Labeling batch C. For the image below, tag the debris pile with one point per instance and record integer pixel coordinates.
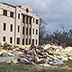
(45, 55)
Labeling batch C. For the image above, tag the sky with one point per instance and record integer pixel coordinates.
(56, 13)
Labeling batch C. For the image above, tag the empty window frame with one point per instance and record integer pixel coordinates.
(11, 14)
(5, 12)
(19, 16)
(18, 28)
(29, 41)
(4, 38)
(33, 30)
(23, 30)
(23, 19)
(11, 27)
(36, 31)
(18, 40)
(26, 41)
(32, 41)
(36, 21)
(30, 31)
(11, 40)
(23, 41)
(4, 26)
(33, 20)
(36, 41)
(26, 31)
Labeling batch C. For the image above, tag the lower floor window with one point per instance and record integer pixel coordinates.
(18, 40)
(4, 38)
(10, 39)
(32, 41)
(26, 41)
(29, 41)
(23, 41)
(36, 41)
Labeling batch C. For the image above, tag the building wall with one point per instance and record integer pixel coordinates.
(35, 27)
(22, 10)
(8, 20)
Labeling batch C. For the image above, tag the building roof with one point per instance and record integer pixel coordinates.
(15, 6)
(7, 4)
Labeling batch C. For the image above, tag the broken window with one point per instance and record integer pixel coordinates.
(30, 31)
(5, 12)
(18, 16)
(26, 31)
(18, 40)
(36, 31)
(11, 14)
(18, 28)
(36, 41)
(36, 21)
(29, 41)
(4, 26)
(4, 38)
(11, 27)
(23, 19)
(23, 41)
(10, 39)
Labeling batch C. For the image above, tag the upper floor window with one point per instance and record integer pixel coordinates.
(19, 16)
(33, 31)
(26, 31)
(30, 20)
(11, 14)
(5, 12)
(18, 28)
(4, 26)
(33, 20)
(36, 31)
(11, 27)
(23, 19)
(36, 21)
(27, 10)
(30, 31)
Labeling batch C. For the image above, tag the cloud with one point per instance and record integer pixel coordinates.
(54, 12)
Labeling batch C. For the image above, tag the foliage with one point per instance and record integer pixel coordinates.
(46, 36)
(4, 67)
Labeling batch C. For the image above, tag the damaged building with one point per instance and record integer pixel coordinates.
(19, 24)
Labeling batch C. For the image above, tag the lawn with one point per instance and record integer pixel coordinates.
(29, 68)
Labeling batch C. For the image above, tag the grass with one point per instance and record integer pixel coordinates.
(69, 63)
(27, 68)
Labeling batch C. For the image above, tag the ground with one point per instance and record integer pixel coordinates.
(4, 67)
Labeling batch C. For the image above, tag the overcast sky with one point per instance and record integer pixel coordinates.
(54, 12)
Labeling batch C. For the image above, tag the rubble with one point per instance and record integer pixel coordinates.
(45, 55)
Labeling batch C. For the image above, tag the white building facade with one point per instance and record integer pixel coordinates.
(19, 25)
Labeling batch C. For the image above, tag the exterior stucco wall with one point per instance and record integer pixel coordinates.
(18, 22)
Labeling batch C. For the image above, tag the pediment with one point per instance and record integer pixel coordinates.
(26, 6)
